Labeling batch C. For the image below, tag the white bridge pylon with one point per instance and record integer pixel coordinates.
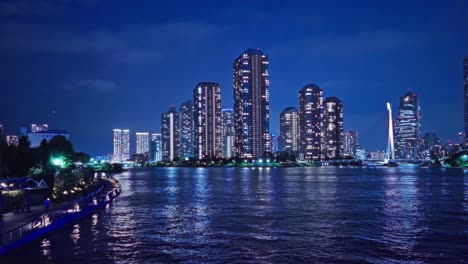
(390, 146)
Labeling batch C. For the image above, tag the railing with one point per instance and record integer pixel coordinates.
(77, 205)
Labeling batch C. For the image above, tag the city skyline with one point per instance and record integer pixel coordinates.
(107, 65)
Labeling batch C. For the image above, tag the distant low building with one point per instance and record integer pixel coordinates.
(24, 131)
(377, 155)
(12, 140)
(36, 137)
(39, 128)
(361, 154)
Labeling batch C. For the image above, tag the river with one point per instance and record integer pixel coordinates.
(268, 215)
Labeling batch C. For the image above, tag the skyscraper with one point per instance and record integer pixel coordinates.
(117, 157)
(332, 128)
(121, 145)
(408, 127)
(351, 143)
(310, 122)
(39, 128)
(170, 134)
(465, 75)
(228, 133)
(186, 130)
(207, 120)
(289, 130)
(142, 143)
(251, 104)
(125, 144)
(156, 147)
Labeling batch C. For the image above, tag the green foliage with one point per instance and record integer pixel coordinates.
(81, 157)
(60, 146)
(459, 159)
(12, 200)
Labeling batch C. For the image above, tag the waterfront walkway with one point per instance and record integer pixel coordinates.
(13, 220)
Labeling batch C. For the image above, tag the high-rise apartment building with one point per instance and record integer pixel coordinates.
(121, 145)
(170, 134)
(289, 130)
(251, 104)
(351, 143)
(310, 122)
(142, 143)
(156, 147)
(332, 147)
(408, 127)
(207, 120)
(186, 130)
(228, 133)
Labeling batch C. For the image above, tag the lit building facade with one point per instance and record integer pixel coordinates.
(142, 142)
(274, 144)
(12, 140)
(207, 120)
(408, 127)
(39, 128)
(156, 147)
(289, 130)
(24, 131)
(170, 135)
(228, 133)
(310, 122)
(37, 137)
(125, 144)
(430, 146)
(333, 128)
(351, 143)
(465, 76)
(251, 104)
(121, 145)
(186, 130)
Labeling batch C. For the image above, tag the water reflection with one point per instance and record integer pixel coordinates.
(202, 196)
(46, 248)
(291, 215)
(75, 235)
(402, 212)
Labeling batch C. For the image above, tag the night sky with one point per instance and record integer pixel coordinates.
(91, 66)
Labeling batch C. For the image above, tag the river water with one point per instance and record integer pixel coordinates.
(262, 215)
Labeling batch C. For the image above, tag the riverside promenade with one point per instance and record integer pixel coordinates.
(17, 229)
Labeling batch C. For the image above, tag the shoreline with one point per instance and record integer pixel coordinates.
(71, 212)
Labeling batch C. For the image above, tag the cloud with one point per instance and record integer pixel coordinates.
(357, 42)
(130, 43)
(99, 85)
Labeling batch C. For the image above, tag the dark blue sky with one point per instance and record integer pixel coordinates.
(100, 65)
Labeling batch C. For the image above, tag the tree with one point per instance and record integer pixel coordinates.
(81, 157)
(60, 146)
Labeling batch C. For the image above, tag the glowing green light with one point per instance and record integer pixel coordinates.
(57, 161)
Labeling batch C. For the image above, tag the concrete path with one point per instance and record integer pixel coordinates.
(13, 220)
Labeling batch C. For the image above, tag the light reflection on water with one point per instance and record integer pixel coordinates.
(383, 215)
